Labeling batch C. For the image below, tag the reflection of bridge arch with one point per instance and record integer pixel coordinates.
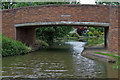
(20, 23)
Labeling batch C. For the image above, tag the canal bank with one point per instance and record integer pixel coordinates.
(91, 53)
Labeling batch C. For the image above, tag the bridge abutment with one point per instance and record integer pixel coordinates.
(26, 35)
(114, 30)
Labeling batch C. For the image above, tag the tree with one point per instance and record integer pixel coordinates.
(48, 34)
(107, 3)
(8, 5)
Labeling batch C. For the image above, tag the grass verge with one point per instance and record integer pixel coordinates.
(117, 64)
(107, 54)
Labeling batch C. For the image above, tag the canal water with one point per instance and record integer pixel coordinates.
(58, 61)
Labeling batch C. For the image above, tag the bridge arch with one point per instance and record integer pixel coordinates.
(19, 22)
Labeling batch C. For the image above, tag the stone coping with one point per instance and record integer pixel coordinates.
(64, 23)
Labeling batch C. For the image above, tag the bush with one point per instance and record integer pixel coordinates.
(95, 41)
(11, 47)
(75, 34)
(42, 43)
(90, 34)
(95, 31)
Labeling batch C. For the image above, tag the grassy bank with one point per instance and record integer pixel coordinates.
(11, 47)
(41, 43)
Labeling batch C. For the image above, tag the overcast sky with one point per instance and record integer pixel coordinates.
(87, 1)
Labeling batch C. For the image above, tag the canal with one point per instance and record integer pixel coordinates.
(58, 61)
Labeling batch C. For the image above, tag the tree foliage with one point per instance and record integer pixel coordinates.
(107, 3)
(48, 34)
(8, 5)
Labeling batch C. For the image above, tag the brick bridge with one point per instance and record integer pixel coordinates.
(20, 23)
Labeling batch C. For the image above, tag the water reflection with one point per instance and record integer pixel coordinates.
(85, 67)
(63, 61)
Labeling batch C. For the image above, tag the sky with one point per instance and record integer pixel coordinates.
(87, 1)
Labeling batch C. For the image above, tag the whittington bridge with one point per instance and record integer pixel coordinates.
(20, 23)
